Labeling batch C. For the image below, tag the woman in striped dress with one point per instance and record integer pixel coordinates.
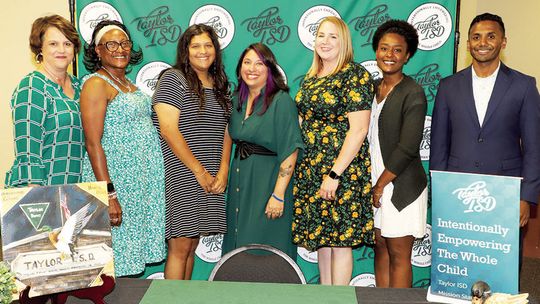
(191, 110)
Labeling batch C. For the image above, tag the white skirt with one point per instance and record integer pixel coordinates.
(410, 221)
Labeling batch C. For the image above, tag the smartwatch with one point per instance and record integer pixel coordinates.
(333, 175)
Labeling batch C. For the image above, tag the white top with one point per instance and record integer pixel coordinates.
(482, 89)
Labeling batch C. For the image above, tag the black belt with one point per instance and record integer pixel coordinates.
(245, 149)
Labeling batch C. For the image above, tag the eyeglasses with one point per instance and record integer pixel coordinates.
(112, 46)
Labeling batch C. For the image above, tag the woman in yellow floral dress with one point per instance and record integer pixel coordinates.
(332, 208)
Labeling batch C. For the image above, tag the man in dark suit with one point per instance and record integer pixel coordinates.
(486, 117)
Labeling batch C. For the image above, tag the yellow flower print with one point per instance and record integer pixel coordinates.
(311, 199)
(324, 206)
(337, 83)
(355, 96)
(335, 215)
(328, 98)
(325, 140)
(342, 237)
(365, 76)
(355, 214)
(353, 207)
(325, 213)
(367, 189)
(341, 118)
(340, 201)
(369, 225)
(311, 137)
(354, 177)
(296, 239)
(311, 236)
(347, 195)
(362, 81)
(314, 98)
(298, 211)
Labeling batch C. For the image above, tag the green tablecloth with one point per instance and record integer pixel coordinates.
(201, 292)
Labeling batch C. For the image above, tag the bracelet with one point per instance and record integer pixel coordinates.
(200, 173)
(277, 198)
(112, 195)
(110, 187)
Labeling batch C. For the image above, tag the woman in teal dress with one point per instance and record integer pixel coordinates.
(123, 149)
(332, 207)
(264, 126)
(49, 141)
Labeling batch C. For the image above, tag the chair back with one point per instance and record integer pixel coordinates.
(257, 263)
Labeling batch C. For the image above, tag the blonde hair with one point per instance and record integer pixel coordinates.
(345, 55)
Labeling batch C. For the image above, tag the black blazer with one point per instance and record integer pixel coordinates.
(401, 128)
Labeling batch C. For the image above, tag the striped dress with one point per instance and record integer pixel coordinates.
(189, 211)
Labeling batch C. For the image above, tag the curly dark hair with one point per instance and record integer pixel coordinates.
(400, 27)
(91, 59)
(487, 17)
(216, 70)
(274, 83)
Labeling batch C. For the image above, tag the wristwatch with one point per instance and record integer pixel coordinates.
(333, 175)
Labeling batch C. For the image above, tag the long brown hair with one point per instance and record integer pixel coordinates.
(216, 70)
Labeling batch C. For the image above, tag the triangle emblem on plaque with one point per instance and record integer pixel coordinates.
(35, 212)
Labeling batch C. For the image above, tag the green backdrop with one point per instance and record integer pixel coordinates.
(288, 28)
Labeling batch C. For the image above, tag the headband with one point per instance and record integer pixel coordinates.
(106, 29)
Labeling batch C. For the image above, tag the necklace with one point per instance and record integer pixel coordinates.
(56, 79)
(128, 87)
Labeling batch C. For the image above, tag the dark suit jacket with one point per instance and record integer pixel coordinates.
(401, 126)
(508, 143)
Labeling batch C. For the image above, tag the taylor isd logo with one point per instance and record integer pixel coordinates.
(268, 26)
(158, 26)
(147, 77)
(306, 255)
(309, 23)
(372, 68)
(476, 197)
(209, 249)
(428, 77)
(433, 24)
(94, 13)
(219, 19)
(421, 250)
(367, 24)
(363, 280)
(425, 144)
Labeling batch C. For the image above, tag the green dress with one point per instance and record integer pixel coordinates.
(49, 140)
(135, 164)
(323, 104)
(252, 180)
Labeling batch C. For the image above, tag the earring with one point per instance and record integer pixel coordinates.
(37, 57)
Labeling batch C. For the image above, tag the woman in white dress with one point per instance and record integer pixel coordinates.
(399, 181)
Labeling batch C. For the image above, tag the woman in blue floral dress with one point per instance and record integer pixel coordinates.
(123, 149)
(332, 208)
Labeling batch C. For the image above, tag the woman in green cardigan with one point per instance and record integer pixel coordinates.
(396, 128)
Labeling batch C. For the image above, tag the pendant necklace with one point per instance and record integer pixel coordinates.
(55, 79)
(128, 87)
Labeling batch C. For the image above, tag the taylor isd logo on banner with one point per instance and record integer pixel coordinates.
(309, 23)
(433, 23)
(218, 18)
(57, 238)
(94, 13)
(475, 222)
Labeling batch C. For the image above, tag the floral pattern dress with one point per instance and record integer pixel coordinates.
(323, 104)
